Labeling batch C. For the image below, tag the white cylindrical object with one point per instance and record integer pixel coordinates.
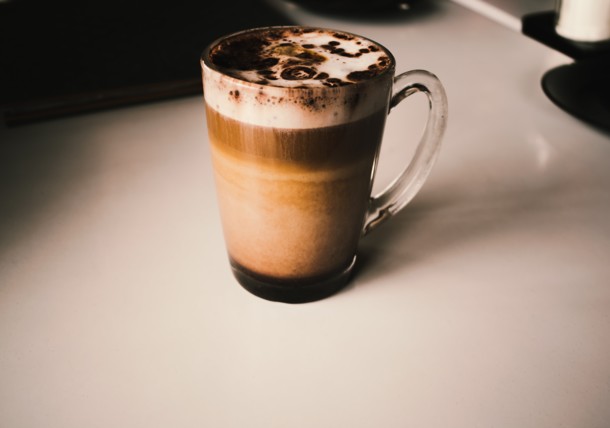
(584, 20)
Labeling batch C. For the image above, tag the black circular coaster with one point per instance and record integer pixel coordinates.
(582, 89)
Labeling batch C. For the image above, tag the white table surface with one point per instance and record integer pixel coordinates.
(485, 303)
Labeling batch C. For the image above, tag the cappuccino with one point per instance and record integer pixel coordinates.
(295, 120)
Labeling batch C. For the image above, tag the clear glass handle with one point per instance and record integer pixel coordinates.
(407, 184)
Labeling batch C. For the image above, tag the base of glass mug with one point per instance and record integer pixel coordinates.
(292, 290)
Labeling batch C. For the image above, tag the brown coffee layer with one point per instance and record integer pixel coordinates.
(293, 201)
(314, 149)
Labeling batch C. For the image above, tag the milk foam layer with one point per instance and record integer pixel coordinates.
(297, 57)
(297, 77)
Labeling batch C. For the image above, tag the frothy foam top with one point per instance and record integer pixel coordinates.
(300, 57)
(297, 77)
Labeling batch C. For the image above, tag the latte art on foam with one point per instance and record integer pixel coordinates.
(300, 57)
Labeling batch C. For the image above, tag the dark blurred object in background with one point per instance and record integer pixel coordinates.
(349, 6)
(582, 88)
(63, 57)
(365, 9)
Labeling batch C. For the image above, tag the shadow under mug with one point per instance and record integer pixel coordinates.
(294, 168)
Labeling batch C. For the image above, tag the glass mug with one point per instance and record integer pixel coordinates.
(295, 118)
